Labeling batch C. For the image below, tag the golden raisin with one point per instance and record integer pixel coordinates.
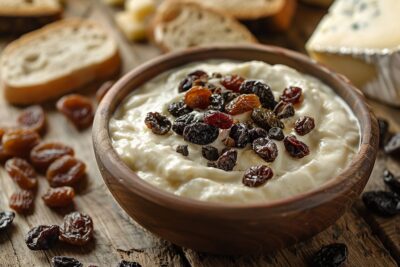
(44, 154)
(59, 197)
(33, 118)
(19, 142)
(242, 104)
(22, 201)
(65, 171)
(78, 109)
(103, 89)
(22, 173)
(198, 97)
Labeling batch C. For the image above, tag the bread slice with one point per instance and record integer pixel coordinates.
(56, 60)
(322, 3)
(179, 25)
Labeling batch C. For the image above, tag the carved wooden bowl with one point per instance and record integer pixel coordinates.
(228, 228)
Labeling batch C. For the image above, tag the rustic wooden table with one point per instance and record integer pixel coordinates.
(372, 241)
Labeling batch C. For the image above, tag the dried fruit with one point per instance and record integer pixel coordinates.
(6, 219)
(265, 148)
(295, 147)
(232, 82)
(77, 229)
(185, 85)
(3, 155)
(125, 263)
(229, 142)
(229, 96)
(391, 148)
(103, 89)
(33, 118)
(22, 201)
(183, 121)
(65, 171)
(63, 261)
(242, 104)
(262, 90)
(391, 181)
(178, 109)
(183, 149)
(227, 160)
(284, 110)
(22, 173)
(157, 123)
(333, 255)
(266, 119)
(42, 237)
(240, 134)
(44, 154)
(256, 133)
(200, 133)
(257, 176)
(382, 202)
(292, 94)
(59, 197)
(276, 134)
(198, 74)
(19, 142)
(198, 97)
(210, 153)
(304, 125)
(218, 119)
(78, 109)
(217, 102)
(383, 131)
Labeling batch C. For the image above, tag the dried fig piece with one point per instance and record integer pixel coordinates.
(33, 118)
(78, 109)
(22, 173)
(77, 229)
(65, 171)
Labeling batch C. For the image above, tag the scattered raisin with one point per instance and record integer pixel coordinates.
(22, 173)
(178, 109)
(183, 121)
(183, 149)
(292, 94)
(200, 133)
(157, 123)
(295, 147)
(33, 118)
(42, 237)
(78, 109)
(391, 181)
(382, 202)
(103, 89)
(44, 154)
(77, 229)
(217, 102)
(266, 119)
(218, 119)
(19, 142)
(185, 85)
(210, 153)
(256, 133)
(232, 82)
(6, 219)
(22, 201)
(227, 160)
(198, 97)
(63, 261)
(242, 104)
(240, 134)
(284, 110)
(276, 134)
(59, 197)
(304, 125)
(65, 171)
(125, 263)
(262, 90)
(265, 148)
(391, 148)
(257, 176)
(383, 131)
(333, 255)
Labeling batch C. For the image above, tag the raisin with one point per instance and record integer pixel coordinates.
(19, 142)
(217, 102)
(391, 148)
(6, 219)
(44, 154)
(266, 149)
(240, 134)
(333, 255)
(210, 153)
(77, 229)
(157, 123)
(216, 75)
(229, 96)
(183, 121)
(178, 109)
(304, 125)
(183, 149)
(22, 173)
(382, 202)
(232, 82)
(63, 261)
(59, 197)
(200, 133)
(198, 74)
(3, 155)
(266, 119)
(242, 104)
(383, 131)
(33, 118)
(262, 90)
(198, 97)
(42, 237)
(212, 164)
(295, 147)
(65, 171)
(227, 160)
(103, 89)
(229, 142)
(185, 85)
(218, 119)
(257, 176)
(284, 110)
(22, 201)
(125, 263)
(276, 134)
(256, 133)
(78, 109)
(292, 94)
(391, 181)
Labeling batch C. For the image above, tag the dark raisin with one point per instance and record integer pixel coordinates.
(157, 123)
(333, 255)
(232, 82)
(183, 121)
(266, 119)
(185, 85)
(217, 102)
(265, 148)
(183, 149)
(63, 261)
(200, 133)
(276, 134)
(212, 164)
(291, 94)
(77, 229)
(42, 237)
(256, 133)
(229, 96)
(295, 147)
(391, 181)
(284, 110)
(257, 176)
(262, 90)
(227, 160)
(210, 153)
(6, 219)
(382, 202)
(218, 119)
(240, 134)
(304, 125)
(178, 109)
(125, 263)
(393, 146)
(198, 74)
(383, 131)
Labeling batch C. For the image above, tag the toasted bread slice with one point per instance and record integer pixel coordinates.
(56, 60)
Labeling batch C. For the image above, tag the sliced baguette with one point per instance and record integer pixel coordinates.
(56, 60)
(178, 25)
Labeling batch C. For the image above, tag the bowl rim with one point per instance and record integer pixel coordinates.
(131, 180)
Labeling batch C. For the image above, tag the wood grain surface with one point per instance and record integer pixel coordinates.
(372, 241)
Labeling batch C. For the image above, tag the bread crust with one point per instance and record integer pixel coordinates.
(31, 10)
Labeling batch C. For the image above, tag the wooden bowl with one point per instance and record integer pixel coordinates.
(228, 228)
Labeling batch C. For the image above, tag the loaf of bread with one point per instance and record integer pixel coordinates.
(322, 3)
(56, 60)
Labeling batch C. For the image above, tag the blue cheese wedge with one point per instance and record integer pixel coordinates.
(361, 39)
